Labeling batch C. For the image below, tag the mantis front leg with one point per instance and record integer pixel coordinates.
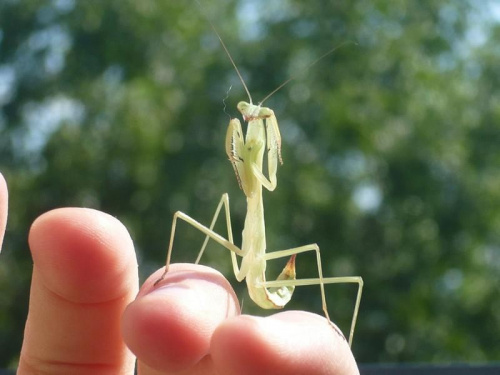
(263, 131)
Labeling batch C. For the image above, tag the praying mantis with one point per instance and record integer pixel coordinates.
(246, 153)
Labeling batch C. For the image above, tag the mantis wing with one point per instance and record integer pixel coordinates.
(234, 148)
(273, 147)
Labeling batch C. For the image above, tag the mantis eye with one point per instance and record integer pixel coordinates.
(242, 107)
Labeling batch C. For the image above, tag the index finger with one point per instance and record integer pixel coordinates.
(84, 274)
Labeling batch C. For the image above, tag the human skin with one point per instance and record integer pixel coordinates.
(87, 314)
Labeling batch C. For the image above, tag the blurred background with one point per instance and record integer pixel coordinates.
(390, 148)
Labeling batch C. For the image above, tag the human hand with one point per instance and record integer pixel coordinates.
(192, 321)
(85, 275)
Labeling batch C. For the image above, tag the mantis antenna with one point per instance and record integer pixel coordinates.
(227, 52)
(307, 67)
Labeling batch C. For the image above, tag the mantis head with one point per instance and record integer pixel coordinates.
(251, 111)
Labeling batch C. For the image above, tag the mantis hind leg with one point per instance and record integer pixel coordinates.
(209, 232)
(321, 281)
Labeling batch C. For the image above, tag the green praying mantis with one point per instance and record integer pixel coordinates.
(246, 153)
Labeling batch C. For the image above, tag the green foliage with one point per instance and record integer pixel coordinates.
(390, 148)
